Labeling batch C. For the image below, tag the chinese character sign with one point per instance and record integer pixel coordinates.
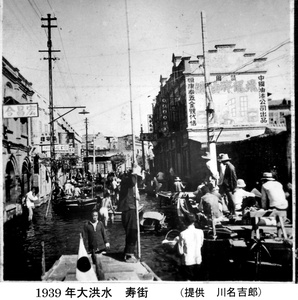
(237, 102)
(27, 110)
(263, 100)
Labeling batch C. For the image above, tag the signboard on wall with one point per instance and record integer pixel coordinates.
(240, 102)
(26, 110)
(59, 149)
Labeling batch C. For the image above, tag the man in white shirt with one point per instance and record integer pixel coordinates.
(273, 195)
(189, 246)
(31, 197)
(240, 194)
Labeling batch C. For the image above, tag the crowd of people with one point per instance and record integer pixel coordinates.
(220, 193)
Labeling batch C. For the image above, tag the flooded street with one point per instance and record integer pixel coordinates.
(60, 234)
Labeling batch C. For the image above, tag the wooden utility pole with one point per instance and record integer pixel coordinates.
(143, 150)
(211, 143)
(49, 26)
(206, 75)
(133, 135)
(87, 154)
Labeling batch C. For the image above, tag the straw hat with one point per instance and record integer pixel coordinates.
(220, 155)
(207, 156)
(241, 183)
(225, 157)
(267, 176)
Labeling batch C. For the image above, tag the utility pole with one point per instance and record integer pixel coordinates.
(84, 112)
(143, 150)
(87, 154)
(49, 26)
(211, 144)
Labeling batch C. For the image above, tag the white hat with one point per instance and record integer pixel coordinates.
(177, 179)
(267, 176)
(225, 157)
(241, 183)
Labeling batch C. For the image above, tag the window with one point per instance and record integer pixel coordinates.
(243, 106)
(233, 77)
(218, 77)
(8, 84)
(24, 126)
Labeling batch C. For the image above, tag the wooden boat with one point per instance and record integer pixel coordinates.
(87, 201)
(109, 266)
(152, 221)
(75, 204)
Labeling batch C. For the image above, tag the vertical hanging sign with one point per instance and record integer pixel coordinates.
(262, 100)
(164, 116)
(150, 123)
(190, 90)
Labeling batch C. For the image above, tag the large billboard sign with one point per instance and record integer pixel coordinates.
(26, 110)
(241, 102)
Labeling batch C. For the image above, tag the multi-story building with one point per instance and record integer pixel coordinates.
(16, 149)
(67, 145)
(26, 142)
(235, 98)
(107, 154)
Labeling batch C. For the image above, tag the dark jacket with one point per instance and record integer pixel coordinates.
(230, 178)
(94, 239)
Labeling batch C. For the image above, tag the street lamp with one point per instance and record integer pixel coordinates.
(84, 112)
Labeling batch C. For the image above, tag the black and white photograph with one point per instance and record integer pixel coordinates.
(148, 142)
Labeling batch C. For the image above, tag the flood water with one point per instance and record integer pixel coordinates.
(60, 235)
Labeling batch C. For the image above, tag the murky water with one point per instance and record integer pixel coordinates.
(60, 234)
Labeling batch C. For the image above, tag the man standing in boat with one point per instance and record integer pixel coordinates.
(229, 183)
(127, 205)
(189, 246)
(94, 235)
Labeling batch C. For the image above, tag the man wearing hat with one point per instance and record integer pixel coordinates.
(229, 183)
(127, 205)
(221, 168)
(240, 194)
(273, 195)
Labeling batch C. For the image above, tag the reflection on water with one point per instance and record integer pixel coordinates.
(60, 234)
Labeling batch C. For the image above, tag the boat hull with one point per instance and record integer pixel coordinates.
(77, 204)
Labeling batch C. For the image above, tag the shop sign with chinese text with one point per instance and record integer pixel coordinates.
(26, 110)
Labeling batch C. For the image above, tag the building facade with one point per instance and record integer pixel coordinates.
(25, 142)
(235, 99)
(16, 148)
(67, 147)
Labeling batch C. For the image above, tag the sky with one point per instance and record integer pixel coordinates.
(93, 70)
